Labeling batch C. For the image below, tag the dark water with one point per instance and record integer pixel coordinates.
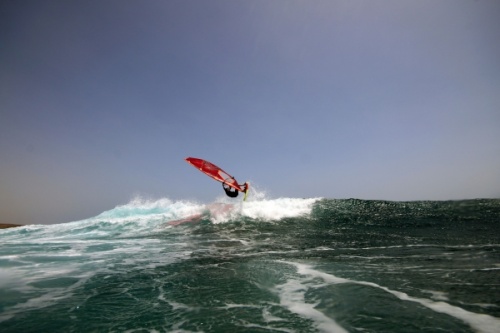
(283, 265)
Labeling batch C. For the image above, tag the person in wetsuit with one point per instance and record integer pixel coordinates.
(230, 191)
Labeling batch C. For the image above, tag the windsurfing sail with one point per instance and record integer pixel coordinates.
(218, 174)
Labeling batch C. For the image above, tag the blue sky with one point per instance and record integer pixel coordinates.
(101, 101)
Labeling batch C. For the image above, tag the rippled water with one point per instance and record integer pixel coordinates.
(284, 265)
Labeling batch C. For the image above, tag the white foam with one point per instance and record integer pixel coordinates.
(223, 210)
(9, 277)
(291, 296)
(143, 216)
(488, 269)
(233, 305)
(276, 209)
(48, 298)
(150, 330)
(268, 317)
(177, 306)
(437, 295)
(142, 212)
(267, 328)
(479, 322)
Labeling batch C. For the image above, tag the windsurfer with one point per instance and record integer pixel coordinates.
(231, 191)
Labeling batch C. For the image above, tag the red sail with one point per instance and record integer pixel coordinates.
(214, 171)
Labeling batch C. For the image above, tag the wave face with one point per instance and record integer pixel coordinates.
(284, 265)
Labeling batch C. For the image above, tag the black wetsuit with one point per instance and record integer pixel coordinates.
(233, 193)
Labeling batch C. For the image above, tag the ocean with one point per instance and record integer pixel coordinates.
(265, 265)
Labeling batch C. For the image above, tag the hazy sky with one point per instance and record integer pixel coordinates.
(101, 101)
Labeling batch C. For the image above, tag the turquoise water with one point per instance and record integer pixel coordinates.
(267, 265)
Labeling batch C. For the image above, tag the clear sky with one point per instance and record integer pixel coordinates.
(101, 101)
